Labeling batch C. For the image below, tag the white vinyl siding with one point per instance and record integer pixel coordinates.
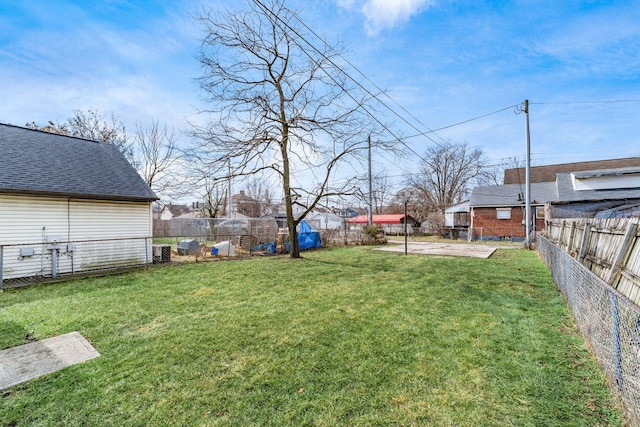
(26, 219)
(92, 220)
(93, 227)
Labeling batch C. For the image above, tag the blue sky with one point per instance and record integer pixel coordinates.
(445, 61)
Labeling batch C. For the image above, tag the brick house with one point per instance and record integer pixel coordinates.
(498, 211)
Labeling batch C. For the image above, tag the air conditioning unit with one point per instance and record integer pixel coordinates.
(161, 253)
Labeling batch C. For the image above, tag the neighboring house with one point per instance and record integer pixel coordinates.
(583, 194)
(345, 212)
(170, 211)
(498, 211)
(245, 206)
(548, 173)
(69, 205)
(280, 218)
(624, 211)
(457, 216)
(325, 221)
(392, 224)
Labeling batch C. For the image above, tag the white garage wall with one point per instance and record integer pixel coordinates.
(93, 227)
(91, 220)
(22, 218)
(26, 219)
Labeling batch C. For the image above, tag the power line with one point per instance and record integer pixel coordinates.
(614, 101)
(370, 81)
(466, 121)
(293, 30)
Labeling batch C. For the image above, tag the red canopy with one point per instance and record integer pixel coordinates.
(381, 219)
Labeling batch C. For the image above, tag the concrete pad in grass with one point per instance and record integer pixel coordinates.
(449, 249)
(33, 360)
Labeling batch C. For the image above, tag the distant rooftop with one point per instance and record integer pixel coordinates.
(548, 173)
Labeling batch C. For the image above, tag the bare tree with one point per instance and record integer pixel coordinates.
(214, 196)
(416, 207)
(495, 174)
(50, 127)
(158, 160)
(380, 195)
(91, 125)
(278, 105)
(260, 190)
(445, 176)
(98, 127)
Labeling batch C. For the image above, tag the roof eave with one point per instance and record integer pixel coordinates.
(112, 197)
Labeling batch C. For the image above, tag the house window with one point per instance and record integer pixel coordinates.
(503, 213)
(539, 212)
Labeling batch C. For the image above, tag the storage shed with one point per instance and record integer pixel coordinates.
(69, 205)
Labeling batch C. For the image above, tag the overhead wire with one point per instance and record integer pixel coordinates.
(613, 101)
(420, 132)
(329, 60)
(375, 96)
(378, 88)
(465, 121)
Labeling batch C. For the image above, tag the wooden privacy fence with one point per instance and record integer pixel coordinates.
(610, 248)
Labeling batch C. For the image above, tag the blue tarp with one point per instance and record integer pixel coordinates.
(308, 239)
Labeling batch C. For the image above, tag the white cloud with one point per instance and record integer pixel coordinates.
(386, 14)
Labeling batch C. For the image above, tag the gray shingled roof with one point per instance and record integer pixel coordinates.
(606, 172)
(560, 191)
(512, 194)
(566, 193)
(41, 163)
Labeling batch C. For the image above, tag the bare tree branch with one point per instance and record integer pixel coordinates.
(274, 105)
(444, 178)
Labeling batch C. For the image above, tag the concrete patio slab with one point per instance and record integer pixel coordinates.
(448, 249)
(33, 360)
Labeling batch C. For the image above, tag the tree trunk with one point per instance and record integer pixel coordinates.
(288, 202)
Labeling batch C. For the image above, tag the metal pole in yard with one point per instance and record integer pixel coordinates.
(405, 227)
(229, 214)
(370, 186)
(527, 208)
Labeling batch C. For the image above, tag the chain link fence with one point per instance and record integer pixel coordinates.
(244, 233)
(608, 320)
(27, 263)
(497, 233)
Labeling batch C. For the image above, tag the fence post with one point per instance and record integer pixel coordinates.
(614, 274)
(572, 232)
(561, 234)
(1, 284)
(585, 241)
(615, 330)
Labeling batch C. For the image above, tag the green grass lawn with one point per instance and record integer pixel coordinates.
(345, 336)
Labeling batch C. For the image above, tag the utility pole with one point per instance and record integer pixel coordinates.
(370, 186)
(527, 205)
